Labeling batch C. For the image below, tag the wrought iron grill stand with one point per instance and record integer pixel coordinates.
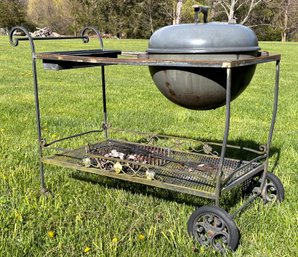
(202, 173)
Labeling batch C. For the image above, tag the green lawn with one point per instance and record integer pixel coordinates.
(88, 215)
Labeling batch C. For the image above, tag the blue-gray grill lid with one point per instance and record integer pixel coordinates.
(213, 37)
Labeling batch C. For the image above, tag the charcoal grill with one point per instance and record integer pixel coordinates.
(202, 88)
(180, 164)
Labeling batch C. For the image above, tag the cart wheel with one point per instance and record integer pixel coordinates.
(213, 226)
(273, 189)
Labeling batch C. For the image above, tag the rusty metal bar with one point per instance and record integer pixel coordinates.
(274, 112)
(225, 138)
(104, 102)
(245, 205)
(45, 144)
(85, 38)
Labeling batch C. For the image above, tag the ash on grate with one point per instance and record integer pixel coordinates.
(137, 154)
(115, 154)
(120, 160)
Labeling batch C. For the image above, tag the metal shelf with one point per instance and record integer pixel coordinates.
(181, 171)
(142, 59)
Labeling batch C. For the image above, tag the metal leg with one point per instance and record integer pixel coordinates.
(104, 102)
(274, 112)
(14, 42)
(38, 126)
(225, 139)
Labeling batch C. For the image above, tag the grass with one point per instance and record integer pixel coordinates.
(89, 215)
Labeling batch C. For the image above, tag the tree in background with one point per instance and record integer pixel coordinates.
(184, 11)
(285, 18)
(12, 12)
(261, 22)
(56, 14)
(131, 18)
(235, 10)
(153, 15)
(178, 12)
(271, 19)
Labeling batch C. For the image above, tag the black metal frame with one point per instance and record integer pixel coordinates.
(14, 42)
(228, 65)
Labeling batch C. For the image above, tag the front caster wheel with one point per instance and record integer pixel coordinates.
(213, 226)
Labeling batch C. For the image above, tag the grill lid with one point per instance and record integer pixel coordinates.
(213, 37)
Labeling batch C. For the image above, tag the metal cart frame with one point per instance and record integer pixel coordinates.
(204, 219)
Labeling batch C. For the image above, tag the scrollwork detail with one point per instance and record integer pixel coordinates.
(15, 41)
(269, 194)
(94, 29)
(127, 168)
(263, 148)
(212, 230)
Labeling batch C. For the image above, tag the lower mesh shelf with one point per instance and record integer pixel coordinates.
(180, 171)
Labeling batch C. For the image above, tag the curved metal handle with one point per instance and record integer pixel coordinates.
(202, 9)
(15, 41)
(86, 39)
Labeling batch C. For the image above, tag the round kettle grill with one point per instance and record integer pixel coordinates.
(201, 88)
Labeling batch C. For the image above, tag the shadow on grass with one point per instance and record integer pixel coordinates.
(227, 201)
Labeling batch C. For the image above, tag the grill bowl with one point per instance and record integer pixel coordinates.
(202, 88)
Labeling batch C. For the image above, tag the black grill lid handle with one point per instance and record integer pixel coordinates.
(202, 9)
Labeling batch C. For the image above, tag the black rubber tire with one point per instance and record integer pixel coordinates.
(213, 226)
(274, 189)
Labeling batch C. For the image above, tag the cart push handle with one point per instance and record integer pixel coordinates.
(14, 41)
